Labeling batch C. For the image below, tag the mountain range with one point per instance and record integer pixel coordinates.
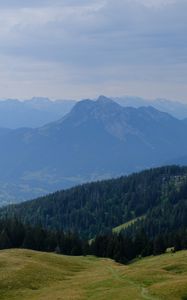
(37, 112)
(175, 108)
(32, 113)
(95, 140)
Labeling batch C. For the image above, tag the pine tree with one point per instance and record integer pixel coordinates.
(5, 242)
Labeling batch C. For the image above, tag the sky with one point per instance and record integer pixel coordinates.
(74, 49)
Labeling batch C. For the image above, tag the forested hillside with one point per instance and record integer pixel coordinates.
(160, 195)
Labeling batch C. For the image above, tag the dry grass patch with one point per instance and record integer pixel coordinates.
(29, 275)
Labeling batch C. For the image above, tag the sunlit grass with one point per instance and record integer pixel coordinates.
(32, 275)
(127, 224)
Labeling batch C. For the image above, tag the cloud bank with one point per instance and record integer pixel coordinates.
(77, 48)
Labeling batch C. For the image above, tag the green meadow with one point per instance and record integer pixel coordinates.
(127, 224)
(33, 275)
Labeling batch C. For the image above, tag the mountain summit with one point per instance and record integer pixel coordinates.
(95, 140)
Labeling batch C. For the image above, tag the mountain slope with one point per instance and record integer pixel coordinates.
(98, 207)
(97, 139)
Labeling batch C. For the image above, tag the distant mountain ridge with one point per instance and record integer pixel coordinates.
(39, 111)
(175, 108)
(32, 113)
(95, 140)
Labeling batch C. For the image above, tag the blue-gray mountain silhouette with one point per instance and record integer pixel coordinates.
(97, 139)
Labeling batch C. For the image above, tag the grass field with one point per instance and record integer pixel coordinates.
(32, 275)
(127, 224)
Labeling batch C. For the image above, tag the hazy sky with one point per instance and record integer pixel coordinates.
(79, 48)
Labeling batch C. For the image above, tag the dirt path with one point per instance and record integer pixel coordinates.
(145, 294)
(143, 291)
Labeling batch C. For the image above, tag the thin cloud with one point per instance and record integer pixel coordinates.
(77, 39)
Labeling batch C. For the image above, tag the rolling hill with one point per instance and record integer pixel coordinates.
(32, 275)
(97, 139)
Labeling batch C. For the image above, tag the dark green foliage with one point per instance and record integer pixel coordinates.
(92, 210)
(95, 208)
(15, 234)
(159, 245)
(123, 248)
(119, 247)
(5, 242)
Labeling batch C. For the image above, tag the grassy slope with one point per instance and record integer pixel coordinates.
(30, 275)
(127, 224)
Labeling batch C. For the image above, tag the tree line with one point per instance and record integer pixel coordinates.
(123, 248)
(120, 247)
